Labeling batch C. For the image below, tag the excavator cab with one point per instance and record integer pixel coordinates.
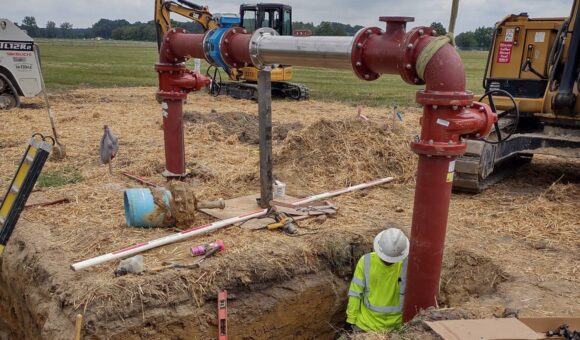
(276, 16)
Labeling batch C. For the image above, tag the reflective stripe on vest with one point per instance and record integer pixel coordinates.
(355, 294)
(366, 294)
(358, 281)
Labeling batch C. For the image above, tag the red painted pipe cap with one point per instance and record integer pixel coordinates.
(396, 19)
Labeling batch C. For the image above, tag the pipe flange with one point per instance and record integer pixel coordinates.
(166, 46)
(166, 68)
(255, 45)
(425, 97)
(439, 149)
(409, 54)
(356, 55)
(225, 47)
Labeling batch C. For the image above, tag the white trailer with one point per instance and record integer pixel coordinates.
(20, 72)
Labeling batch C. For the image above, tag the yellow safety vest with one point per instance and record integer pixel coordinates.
(376, 294)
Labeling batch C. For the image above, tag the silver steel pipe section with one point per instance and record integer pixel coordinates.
(267, 48)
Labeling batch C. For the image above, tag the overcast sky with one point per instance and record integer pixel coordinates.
(472, 13)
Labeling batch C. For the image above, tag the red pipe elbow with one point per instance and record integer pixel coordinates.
(445, 71)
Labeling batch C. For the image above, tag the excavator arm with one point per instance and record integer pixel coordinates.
(189, 10)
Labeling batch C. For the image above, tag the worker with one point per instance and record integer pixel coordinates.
(377, 289)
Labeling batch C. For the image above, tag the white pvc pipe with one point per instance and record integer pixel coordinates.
(141, 247)
(342, 191)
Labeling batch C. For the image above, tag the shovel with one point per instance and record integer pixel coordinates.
(58, 150)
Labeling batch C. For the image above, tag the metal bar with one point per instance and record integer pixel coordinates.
(328, 52)
(265, 127)
(140, 180)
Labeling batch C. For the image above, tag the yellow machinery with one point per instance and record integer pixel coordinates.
(532, 80)
(251, 17)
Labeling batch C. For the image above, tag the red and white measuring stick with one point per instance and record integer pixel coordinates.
(141, 247)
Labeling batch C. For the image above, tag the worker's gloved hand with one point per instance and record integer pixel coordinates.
(347, 327)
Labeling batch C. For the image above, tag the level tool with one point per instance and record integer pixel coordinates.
(223, 315)
(36, 154)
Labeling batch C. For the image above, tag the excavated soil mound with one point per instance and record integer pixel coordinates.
(467, 275)
(242, 125)
(334, 153)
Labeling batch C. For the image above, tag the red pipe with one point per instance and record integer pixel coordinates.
(445, 71)
(430, 210)
(178, 46)
(173, 136)
(175, 81)
(449, 114)
(382, 51)
(235, 48)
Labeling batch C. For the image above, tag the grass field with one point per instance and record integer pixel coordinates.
(77, 63)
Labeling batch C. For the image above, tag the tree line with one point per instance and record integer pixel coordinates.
(480, 39)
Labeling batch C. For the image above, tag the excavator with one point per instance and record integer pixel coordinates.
(532, 81)
(243, 81)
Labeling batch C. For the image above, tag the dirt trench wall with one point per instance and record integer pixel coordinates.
(307, 307)
(34, 303)
(28, 308)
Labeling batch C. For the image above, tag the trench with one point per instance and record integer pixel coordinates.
(309, 306)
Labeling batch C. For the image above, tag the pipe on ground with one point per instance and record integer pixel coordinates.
(449, 113)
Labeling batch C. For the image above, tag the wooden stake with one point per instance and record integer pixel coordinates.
(78, 326)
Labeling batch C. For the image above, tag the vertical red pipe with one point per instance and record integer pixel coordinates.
(175, 81)
(430, 210)
(173, 135)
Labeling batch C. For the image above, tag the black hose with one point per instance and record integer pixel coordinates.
(556, 54)
(191, 5)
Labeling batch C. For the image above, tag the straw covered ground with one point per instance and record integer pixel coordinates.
(513, 246)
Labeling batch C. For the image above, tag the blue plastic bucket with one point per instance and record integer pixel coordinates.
(141, 210)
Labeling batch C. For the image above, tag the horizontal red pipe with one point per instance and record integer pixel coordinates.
(240, 48)
(181, 45)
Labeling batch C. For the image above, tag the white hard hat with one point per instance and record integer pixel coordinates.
(391, 245)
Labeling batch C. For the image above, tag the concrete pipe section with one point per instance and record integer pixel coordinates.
(417, 55)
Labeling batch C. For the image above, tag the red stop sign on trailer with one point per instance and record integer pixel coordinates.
(504, 54)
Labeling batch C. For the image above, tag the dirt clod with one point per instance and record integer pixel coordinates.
(240, 124)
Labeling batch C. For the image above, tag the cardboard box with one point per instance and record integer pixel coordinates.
(502, 329)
